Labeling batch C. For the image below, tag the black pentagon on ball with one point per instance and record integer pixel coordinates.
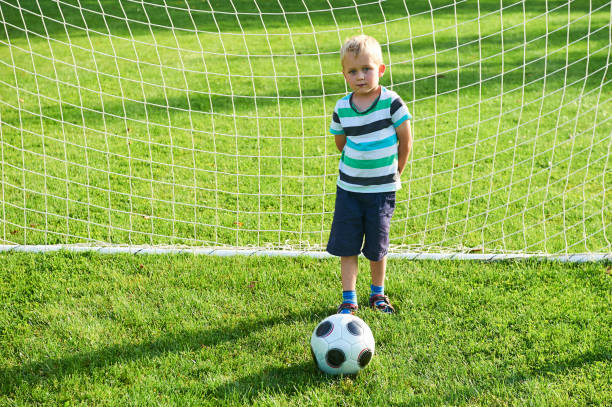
(364, 357)
(354, 328)
(324, 329)
(335, 358)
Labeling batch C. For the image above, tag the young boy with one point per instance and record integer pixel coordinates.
(371, 126)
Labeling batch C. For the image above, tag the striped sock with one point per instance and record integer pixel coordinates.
(350, 297)
(376, 289)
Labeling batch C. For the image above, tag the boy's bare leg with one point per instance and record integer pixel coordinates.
(378, 270)
(348, 270)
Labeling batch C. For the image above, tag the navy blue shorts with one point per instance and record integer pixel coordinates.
(358, 215)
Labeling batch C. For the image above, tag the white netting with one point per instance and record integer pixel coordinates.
(205, 124)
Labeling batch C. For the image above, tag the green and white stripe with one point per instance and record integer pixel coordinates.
(369, 158)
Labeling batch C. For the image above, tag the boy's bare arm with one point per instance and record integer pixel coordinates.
(404, 138)
(340, 141)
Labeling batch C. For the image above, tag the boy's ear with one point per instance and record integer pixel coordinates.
(381, 70)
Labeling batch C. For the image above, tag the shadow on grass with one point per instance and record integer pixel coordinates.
(296, 379)
(547, 372)
(135, 18)
(288, 381)
(55, 369)
(599, 354)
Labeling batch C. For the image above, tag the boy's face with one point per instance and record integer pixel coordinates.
(362, 73)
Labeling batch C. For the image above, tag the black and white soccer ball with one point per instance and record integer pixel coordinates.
(342, 344)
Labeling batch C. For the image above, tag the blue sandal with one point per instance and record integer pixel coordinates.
(381, 303)
(347, 306)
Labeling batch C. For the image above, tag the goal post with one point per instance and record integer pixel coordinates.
(173, 125)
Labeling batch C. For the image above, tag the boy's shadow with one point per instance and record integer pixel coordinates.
(55, 369)
(289, 381)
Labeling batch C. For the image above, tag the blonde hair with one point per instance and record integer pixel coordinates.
(361, 43)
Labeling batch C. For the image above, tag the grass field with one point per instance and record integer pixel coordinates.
(87, 329)
(129, 123)
(118, 129)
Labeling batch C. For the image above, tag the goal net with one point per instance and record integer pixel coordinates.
(205, 124)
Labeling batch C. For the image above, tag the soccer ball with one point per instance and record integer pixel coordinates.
(342, 344)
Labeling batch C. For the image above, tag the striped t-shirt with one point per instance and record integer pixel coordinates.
(369, 158)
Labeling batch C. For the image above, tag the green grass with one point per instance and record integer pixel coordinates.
(88, 329)
(131, 133)
(122, 131)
